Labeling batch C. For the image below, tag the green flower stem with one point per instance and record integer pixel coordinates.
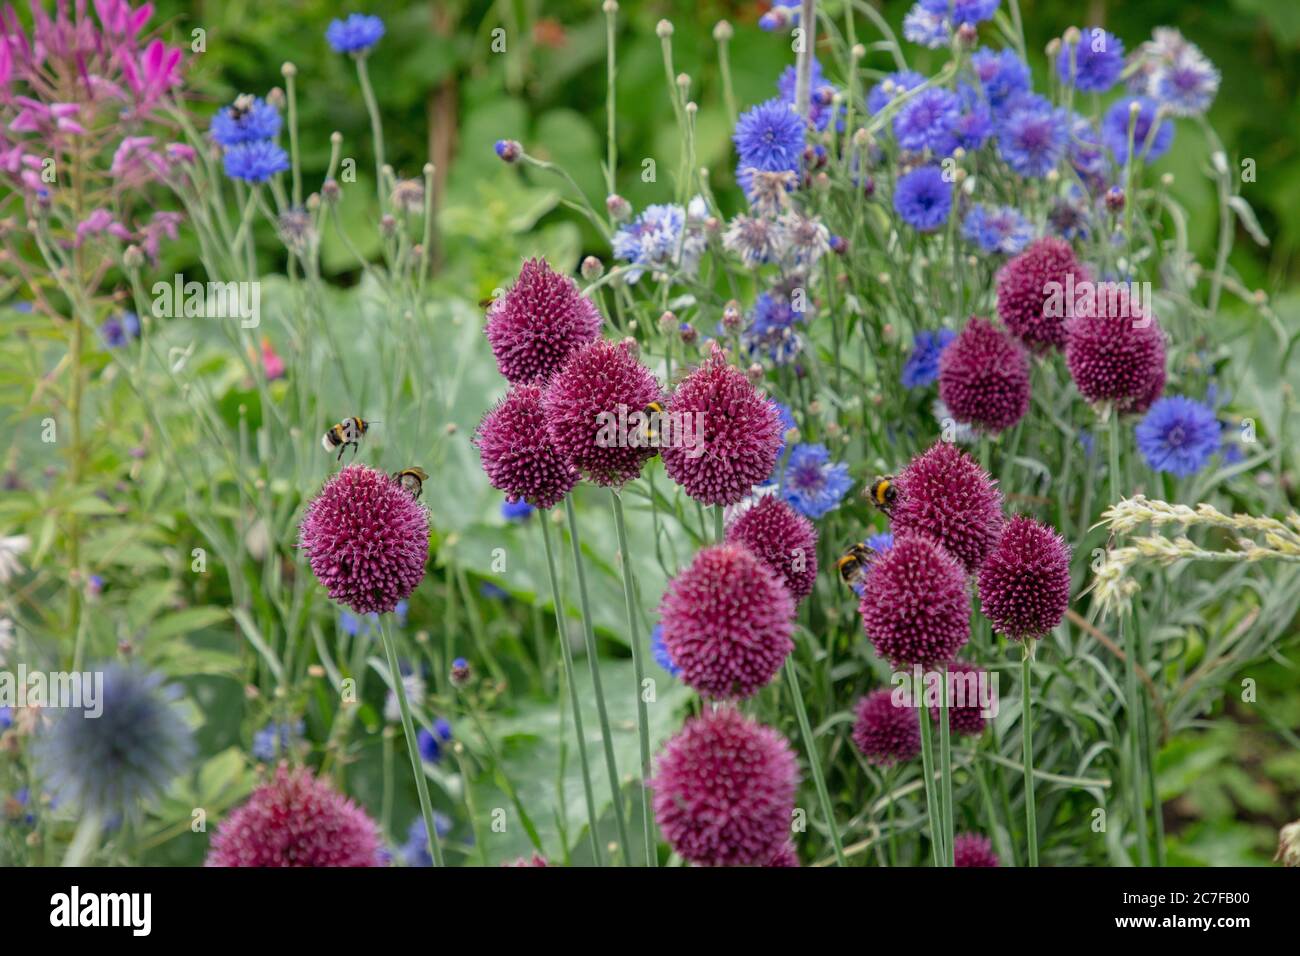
(719, 523)
(412, 748)
(589, 633)
(376, 127)
(937, 853)
(814, 761)
(1027, 732)
(638, 670)
(291, 94)
(611, 75)
(945, 769)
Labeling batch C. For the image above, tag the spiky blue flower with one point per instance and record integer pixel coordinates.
(923, 198)
(415, 851)
(1178, 435)
(812, 484)
(926, 28)
(255, 162)
(1032, 135)
(1149, 144)
(974, 125)
(1087, 153)
(276, 739)
(926, 120)
(880, 543)
(6, 718)
(653, 240)
(772, 330)
(659, 651)
(962, 11)
(355, 34)
(431, 742)
(118, 330)
(893, 85)
(1002, 75)
(1188, 85)
(245, 122)
(117, 762)
(999, 229)
(516, 511)
(922, 366)
(821, 93)
(1094, 64)
(769, 137)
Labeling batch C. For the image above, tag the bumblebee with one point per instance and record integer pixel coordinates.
(852, 564)
(651, 414)
(242, 106)
(882, 493)
(347, 432)
(412, 480)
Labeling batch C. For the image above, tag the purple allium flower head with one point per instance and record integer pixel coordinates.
(922, 365)
(812, 483)
(541, 320)
(1002, 75)
(517, 453)
(1115, 349)
(727, 620)
(785, 857)
(945, 494)
(295, 820)
(915, 603)
(255, 162)
(971, 849)
(250, 119)
(926, 120)
(770, 137)
(997, 229)
(965, 711)
(1178, 435)
(1032, 135)
(355, 34)
(1024, 585)
(1092, 65)
(724, 789)
(367, 539)
(923, 199)
(984, 378)
(739, 428)
(891, 86)
(886, 733)
(782, 539)
(1150, 141)
(583, 402)
(1025, 287)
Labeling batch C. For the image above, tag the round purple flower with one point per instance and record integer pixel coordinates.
(1001, 74)
(1094, 64)
(885, 732)
(1040, 275)
(588, 402)
(965, 709)
(1178, 435)
(539, 322)
(727, 435)
(1115, 349)
(812, 483)
(770, 137)
(727, 620)
(883, 93)
(367, 539)
(1032, 135)
(724, 790)
(1149, 140)
(517, 453)
(785, 857)
(984, 378)
(783, 540)
(915, 603)
(922, 366)
(250, 119)
(296, 820)
(923, 198)
(971, 849)
(926, 120)
(1024, 585)
(945, 494)
(356, 34)
(255, 162)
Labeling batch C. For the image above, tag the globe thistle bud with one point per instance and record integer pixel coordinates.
(509, 150)
(1115, 199)
(687, 333)
(967, 36)
(839, 245)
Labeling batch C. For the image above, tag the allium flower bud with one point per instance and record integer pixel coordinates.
(945, 494)
(915, 603)
(727, 621)
(724, 790)
(971, 849)
(965, 711)
(782, 539)
(367, 539)
(1025, 583)
(1032, 289)
(1115, 349)
(984, 377)
(886, 733)
(517, 453)
(539, 323)
(509, 150)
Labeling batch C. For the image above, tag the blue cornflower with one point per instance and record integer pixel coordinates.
(1001, 73)
(771, 330)
(779, 17)
(962, 11)
(922, 366)
(997, 229)
(1178, 435)
(1032, 136)
(925, 28)
(923, 199)
(415, 851)
(812, 484)
(400, 610)
(430, 742)
(1087, 154)
(518, 511)
(1149, 145)
(769, 137)
(1087, 442)
(925, 122)
(821, 92)
(891, 86)
(277, 738)
(255, 162)
(880, 543)
(118, 330)
(6, 718)
(1094, 63)
(1188, 85)
(974, 125)
(493, 592)
(352, 625)
(659, 651)
(357, 34)
(651, 241)
(250, 118)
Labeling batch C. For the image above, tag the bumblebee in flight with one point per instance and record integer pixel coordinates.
(852, 564)
(412, 480)
(347, 432)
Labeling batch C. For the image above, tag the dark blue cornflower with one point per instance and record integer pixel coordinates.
(516, 511)
(997, 229)
(415, 851)
(1087, 442)
(771, 330)
(821, 93)
(1087, 154)
(812, 484)
(1178, 435)
(883, 93)
(1032, 135)
(356, 34)
(276, 739)
(926, 120)
(1094, 64)
(880, 543)
(770, 138)
(1149, 145)
(493, 592)
(1188, 85)
(6, 718)
(780, 17)
(923, 198)
(974, 125)
(926, 28)
(922, 366)
(659, 651)
(255, 162)
(1001, 74)
(118, 330)
(431, 742)
(962, 11)
(248, 120)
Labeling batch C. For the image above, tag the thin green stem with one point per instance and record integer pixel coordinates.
(1027, 732)
(945, 769)
(937, 853)
(814, 760)
(376, 127)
